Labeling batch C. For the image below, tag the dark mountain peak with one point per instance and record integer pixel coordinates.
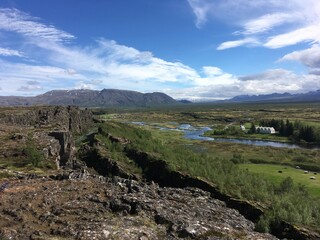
(91, 98)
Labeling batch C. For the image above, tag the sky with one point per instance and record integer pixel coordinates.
(189, 49)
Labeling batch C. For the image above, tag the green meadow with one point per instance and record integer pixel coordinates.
(277, 173)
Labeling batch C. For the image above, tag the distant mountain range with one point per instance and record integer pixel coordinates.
(124, 98)
(91, 98)
(278, 97)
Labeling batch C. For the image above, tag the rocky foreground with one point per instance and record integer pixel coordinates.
(83, 206)
(65, 199)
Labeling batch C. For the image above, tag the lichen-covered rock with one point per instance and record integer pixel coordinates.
(92, 207)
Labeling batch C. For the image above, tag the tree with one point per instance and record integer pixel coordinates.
(282, 130)
(253, 128)
(289, 127)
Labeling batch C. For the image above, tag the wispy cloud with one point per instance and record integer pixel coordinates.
(309, 34)
(309, 57)
(273, 23)
(16, 21)
(10, 52)
(267, 22)
(238, 43)
(200, 9)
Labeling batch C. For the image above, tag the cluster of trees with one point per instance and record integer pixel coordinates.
(295, 130)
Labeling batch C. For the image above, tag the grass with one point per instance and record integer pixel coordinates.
(271, 173)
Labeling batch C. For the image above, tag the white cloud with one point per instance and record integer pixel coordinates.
(238, 43)
(10, 52)
(307, 34)
(27, 78)
(268, 23)
(200, 9)
(309, 57)
(280, 80)
(16, 21)
(212, 71)
(213, 76)
(271, 81)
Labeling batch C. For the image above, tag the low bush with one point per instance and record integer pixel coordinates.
(35, 157)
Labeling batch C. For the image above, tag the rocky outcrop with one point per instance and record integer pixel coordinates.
(50, 129)
(102, 208)
(72, 119)
(97, 157)
(159, 171)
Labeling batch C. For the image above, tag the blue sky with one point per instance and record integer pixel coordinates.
(193, 49)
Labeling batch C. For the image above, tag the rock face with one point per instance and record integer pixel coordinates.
(51, 129)
(71, 119)
(92, 207)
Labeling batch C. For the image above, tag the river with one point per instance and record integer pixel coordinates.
(196, 133)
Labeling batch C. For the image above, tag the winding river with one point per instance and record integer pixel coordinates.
(196, 133)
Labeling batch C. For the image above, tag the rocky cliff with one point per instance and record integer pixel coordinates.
(70, 119)
(49, 129)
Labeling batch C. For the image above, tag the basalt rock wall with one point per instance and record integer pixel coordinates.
(60, 118)
(50, 128)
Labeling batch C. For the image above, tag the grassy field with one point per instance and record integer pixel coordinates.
(277, 173)
(220, 113)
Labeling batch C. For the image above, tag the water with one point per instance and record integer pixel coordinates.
(196, 133)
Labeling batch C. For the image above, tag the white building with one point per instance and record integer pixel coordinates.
(265, 130)
(242, 128)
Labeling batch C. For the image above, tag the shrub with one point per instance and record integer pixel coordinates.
(35, 157)
(237, 158)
